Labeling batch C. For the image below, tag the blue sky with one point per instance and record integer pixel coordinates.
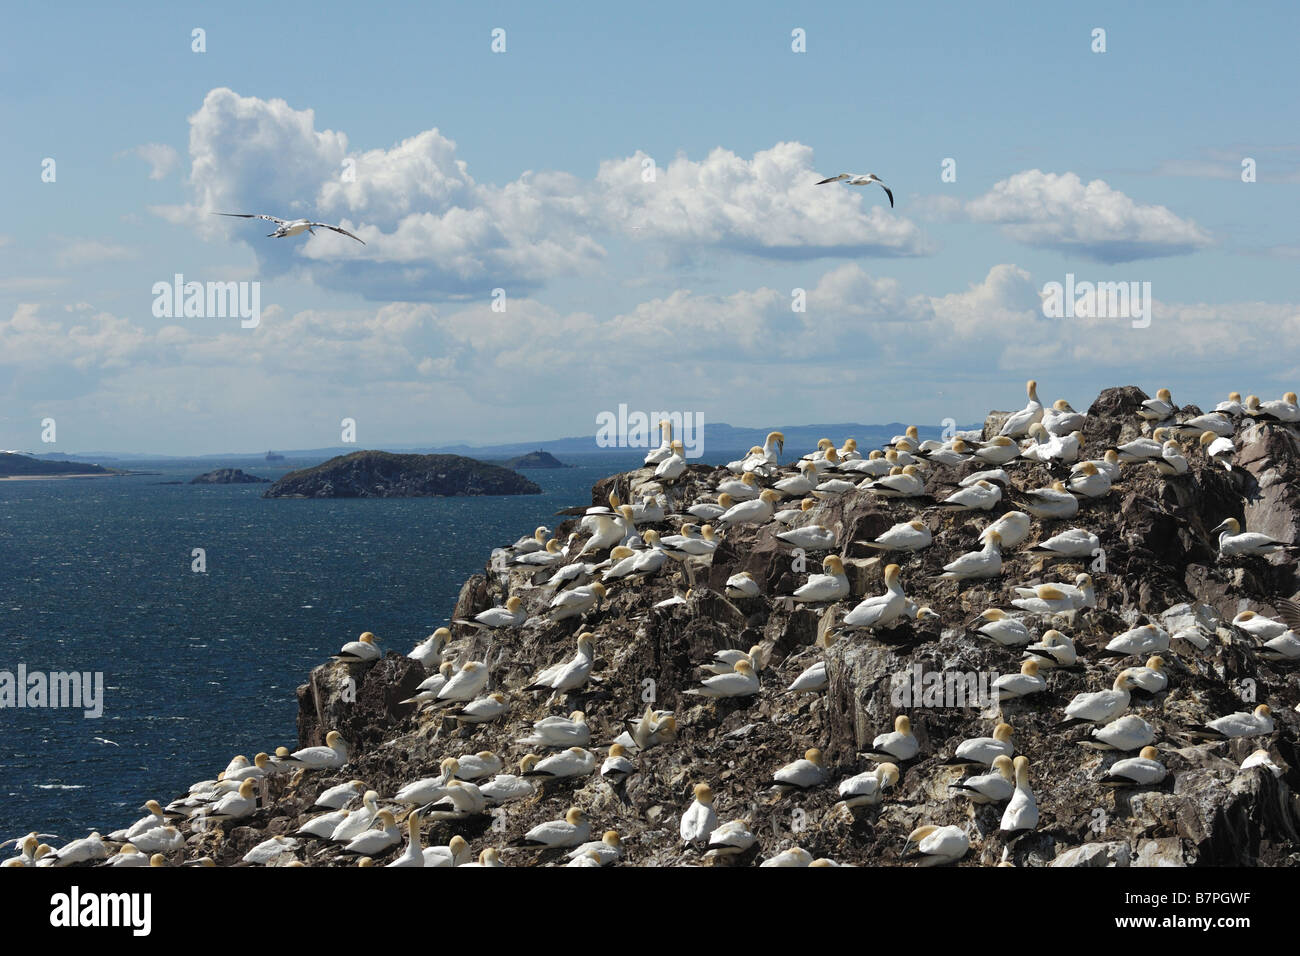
(522, 171)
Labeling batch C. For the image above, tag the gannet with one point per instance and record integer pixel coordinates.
(512, 615)
(1027, 682)
(860, 179)
(654, 727)
(1233, 541)
(796, 856)
(1053, 649)
(1129, 732)
(475, 766)
(758, 511)
(906, 483)
(997, 476)
(986, 563)
(87, 848)
(833, 585)
(609, 529)
(375, 841)
(1013, 527)
(937, 845)
(665, 449)
(166, 839)
(429, 651)
(1151, 678)
(571, 731)
(489, 857)
(1017, 423)
(465, 684)
(998, 450)
(428, 789)
(569, 675)
(482, 709)
(981, 496)
(1100, 707)
(154, 818)
(269, 850)
(533, 542)
(362, 650)
(323, 825)
(1232, 406)
(1053, 502)
(952, 456)
(1143, 770)
(508, 787)
(812, 680)
(574, 762)
(1240, 724)
(906, 536)
(1218, 449)
(1089, 481)
(811, 537)
(1061, 419)
(994, 787)
(1216, 422)
(1045, 599)
(898, 746)
(1143, 640)
(290, 227)
(459, 801)
(1171, 461)
(804, 773)
(674, 466)
(867, 789)
(730, 839)
(429, 688)
(573, 830)
(746, 488)
(1159, 408)
(1264, 760)
(617, 767)
(983, 750)
(699, 819)
(414, 853)
(1141, 449)
(455, 853)
(259, 768)
(741, 585)
(576, 602)
(833, 488)
(876, 465)
(1022, 812)
(329, 757)
(1284, 647)
(1284, 410)
(1071, 543)
(742, 682)
(880, 610)
(233, 806)
(708, 512)
(127, 855)
(602, 852)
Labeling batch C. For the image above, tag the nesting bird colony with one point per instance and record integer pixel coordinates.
(1067, 639)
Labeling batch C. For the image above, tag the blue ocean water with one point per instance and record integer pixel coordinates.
(95, 575)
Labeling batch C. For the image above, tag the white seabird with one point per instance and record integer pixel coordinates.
(290, 227)
(699, 819)
(860, 179)
(1143, 770)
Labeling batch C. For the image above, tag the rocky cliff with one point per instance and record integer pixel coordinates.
(1158, 563)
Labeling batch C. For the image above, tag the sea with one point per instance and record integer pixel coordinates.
(99, 576)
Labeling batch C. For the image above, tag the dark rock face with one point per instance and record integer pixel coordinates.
(1160, 564)
(378, 474)
(228, 476)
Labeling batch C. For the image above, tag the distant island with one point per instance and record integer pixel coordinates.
(272, 456)
(381, 474)
(13, 465)
(535, 459)
(229, 476)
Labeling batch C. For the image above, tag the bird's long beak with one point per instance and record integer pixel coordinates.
(1221, 526)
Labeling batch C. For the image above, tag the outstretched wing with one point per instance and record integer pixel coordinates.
(833, 179)
(252, 215)
(326, 225)
(889, 193)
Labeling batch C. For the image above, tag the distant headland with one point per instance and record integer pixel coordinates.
(381, 474)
